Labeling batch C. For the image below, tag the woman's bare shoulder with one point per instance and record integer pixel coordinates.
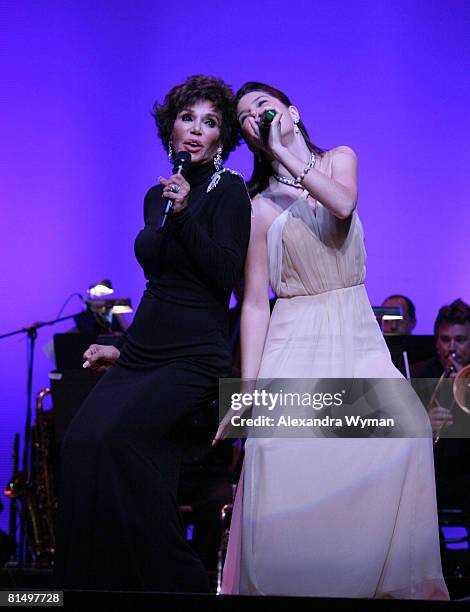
(260, 202)
(264, 211)
(342, 150)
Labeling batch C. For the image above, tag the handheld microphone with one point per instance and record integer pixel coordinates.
(267, 119)
(180, 166)
(265, 124)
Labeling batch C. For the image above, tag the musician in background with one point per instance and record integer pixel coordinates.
(400, 327)
(452, 333)
(451, 454)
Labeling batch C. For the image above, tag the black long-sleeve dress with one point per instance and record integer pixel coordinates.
(119, 527)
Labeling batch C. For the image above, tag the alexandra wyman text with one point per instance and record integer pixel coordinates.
(288, 421)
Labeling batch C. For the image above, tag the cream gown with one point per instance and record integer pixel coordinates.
(326, 516)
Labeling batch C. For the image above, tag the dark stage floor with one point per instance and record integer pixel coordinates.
(108, 601)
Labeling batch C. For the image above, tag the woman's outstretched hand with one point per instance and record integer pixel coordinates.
(100, 357)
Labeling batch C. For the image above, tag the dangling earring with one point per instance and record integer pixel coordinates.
(296, 129)
(170, 151)
(218, 161)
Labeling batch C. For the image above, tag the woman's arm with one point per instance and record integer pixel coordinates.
(255, 308)
(338, 193)
(219, 258)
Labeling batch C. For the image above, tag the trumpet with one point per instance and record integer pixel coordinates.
(460, 391)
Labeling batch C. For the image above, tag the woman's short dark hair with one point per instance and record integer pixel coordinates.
(194, 89)
(262, 168)
(457, 313)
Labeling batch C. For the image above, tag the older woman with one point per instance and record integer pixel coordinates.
(320, 515)
(119, 525)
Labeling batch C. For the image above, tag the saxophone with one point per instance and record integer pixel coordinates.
(35, 489)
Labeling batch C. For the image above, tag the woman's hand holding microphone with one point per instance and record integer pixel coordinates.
(267, 132)
(176, 188)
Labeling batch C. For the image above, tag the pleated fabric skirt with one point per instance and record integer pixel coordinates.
(334, 517)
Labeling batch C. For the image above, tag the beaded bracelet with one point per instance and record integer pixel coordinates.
(306, 170)
(296, 182)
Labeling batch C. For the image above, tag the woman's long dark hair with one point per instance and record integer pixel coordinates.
(262, 169)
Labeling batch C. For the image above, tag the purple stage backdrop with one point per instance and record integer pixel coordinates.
(390, 79)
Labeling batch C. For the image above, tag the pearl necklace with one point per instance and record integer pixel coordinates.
(296, 182)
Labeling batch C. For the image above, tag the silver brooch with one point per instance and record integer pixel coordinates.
(215, 178)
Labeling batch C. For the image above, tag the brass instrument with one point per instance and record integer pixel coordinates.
(460, 391)
(35, 489)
